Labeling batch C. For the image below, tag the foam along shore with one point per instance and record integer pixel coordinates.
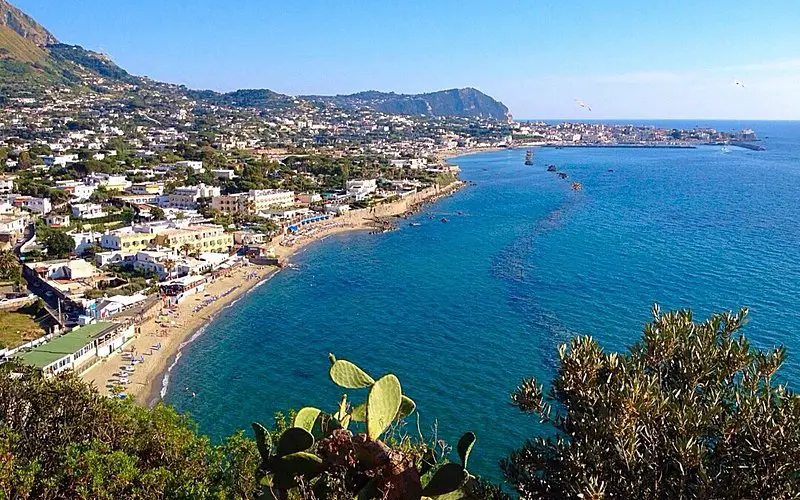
(163, 332)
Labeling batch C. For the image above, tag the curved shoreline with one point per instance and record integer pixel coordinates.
(157, 392)
(147, 382)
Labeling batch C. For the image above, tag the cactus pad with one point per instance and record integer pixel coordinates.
(263, 440)
(382, 404)
(359, 413)
(348, 375)
(448, 478)
(465, 445)
(293, 440)
(407, 407)
(306, 418)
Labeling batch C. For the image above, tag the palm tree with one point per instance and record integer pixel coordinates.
(169, 265)
(186, 248)
(9, 266)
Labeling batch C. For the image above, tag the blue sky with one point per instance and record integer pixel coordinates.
(626, 59)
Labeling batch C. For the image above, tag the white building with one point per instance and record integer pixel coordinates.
(360, 189)
(96, 340)
(56, 220)
(87, 210)
(38, 205)
(264, 199)
(79, 191)
(254, 201)
(224, 173)
(187, 196)
(85, 240)
(156, 262)
(13, 224)
(194, 165)
(60, 161)
(7, 184)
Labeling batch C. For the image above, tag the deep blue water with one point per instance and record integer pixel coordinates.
(462, 311)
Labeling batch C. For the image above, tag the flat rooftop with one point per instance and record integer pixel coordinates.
(64, 345)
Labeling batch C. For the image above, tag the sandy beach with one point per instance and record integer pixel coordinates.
(145, 382)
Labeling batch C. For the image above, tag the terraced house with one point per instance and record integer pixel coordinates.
(196, 238)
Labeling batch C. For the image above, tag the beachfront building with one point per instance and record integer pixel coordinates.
(175, 291)
(253, 201)
(308, 198)
(118, 303)
(78, 349)
(264, 199)
(187, 196)
(156, 262)
(360, 189)
(196, 238)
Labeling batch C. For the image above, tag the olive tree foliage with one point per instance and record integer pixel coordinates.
(691, 411)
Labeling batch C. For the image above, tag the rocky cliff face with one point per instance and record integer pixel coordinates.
(24, 25)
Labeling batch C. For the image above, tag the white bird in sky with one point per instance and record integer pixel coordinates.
(583, 104)
(738, 83)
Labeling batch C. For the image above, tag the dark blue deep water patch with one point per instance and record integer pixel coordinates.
(462, 311)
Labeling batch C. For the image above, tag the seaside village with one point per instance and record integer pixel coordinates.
(110, 244)
(130, 214)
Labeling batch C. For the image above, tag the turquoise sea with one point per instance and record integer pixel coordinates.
(462, 311)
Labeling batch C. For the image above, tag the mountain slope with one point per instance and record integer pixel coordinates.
(24, 25)
(32, 59)
(466, 102)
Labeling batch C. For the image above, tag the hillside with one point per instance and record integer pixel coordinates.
(256, 98)
(24, 25)
(32, 59)
(466, 102)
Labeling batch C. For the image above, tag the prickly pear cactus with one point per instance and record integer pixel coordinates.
(383, 402)
(446, 479)
(306, 418)
(348, 375)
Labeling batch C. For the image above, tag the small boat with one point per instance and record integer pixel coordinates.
(562, 175)
(611, 170)
(529, 157)
(415, 224)
(577, 186)
(444, 219)
(724, 150)
(552, 168)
